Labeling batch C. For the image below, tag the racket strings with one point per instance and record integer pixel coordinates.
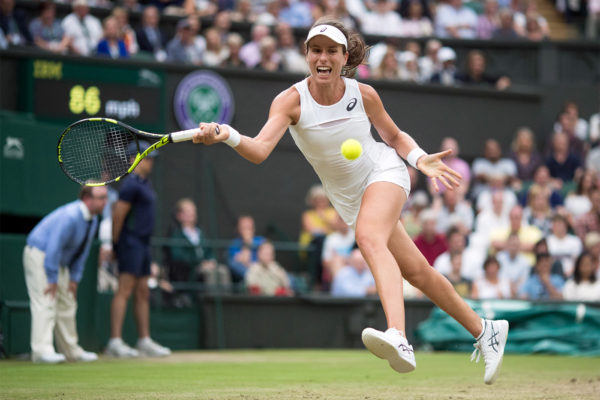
(96, 151)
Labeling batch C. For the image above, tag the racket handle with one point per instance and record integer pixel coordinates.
(182, 136)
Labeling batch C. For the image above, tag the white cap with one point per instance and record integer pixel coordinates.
(446, 54)
(330, 31)
(80, 3)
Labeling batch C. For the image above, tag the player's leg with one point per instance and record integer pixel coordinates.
(380, 209)
(490, 335)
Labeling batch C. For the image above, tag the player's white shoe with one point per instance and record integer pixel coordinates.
(118, 348)
(149, 348)
(491, 344)
(391, 346)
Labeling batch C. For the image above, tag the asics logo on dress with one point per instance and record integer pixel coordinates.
(352, 104)
(493, 341)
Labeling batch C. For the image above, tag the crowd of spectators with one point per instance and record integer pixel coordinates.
(203, 33)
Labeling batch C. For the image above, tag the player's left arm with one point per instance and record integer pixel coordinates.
(430, 164)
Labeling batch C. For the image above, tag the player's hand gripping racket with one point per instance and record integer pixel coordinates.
(93, 151)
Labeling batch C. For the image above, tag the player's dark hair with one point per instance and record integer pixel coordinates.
(357, 48)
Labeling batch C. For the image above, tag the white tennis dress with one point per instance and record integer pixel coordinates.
(319, 135)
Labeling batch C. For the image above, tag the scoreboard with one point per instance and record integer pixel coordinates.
(64, 91)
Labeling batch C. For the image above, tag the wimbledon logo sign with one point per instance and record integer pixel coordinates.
(203, 96)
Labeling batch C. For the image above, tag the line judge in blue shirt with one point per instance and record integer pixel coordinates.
(53, 259)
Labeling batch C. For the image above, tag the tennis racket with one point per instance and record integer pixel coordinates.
(93, 151)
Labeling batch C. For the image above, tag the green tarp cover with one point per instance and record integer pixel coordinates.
(554, 328)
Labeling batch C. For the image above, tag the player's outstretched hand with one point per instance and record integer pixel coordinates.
(433, 166)
(211, 133)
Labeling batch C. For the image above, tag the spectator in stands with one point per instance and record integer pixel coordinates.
(216, 53)
(269, 58)
(296, 13)
(415, 23)
(111, 44)
(222, 23)
(184, 47)
(506, 28)
(14, 24)
(54, 259)
(234, 44)
(563, 245)
(83, 29)
(583, 286)
(243, 12)
(514, 266)
(462, 285)
(590, 221)
(291, 58)
(265, 275)
(592, 28)
(525, 156)
(528, 234)
(456, 163)
(354, 279)
(592, 246)
(132, 6)
(491, 285)
(388, 67)
(270, 16)
(496, 183)
(190, 259)
(538, 212)
(492, 163)
(242, 250)
(417, 202)
(455, 20)
(149, 36)
(541, 177)
(132, 227)
(337, 9)
(477, 74)
(471, 258)
(489, 21)
(429, 241)
(381, 20)
(577, 125)
(250, 52)
(174, 7)
(567, 124)
(542, 284)
(336, 247)
(429, 63)
(447, 75)
(46, 30)
(127, 32)
(408, 67)
(319, 219)
(454, 211)
(579, 202)
(533, 30)
(493, 218)
(530, 12)
(563, 164)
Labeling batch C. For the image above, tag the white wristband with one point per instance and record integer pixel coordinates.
(414, 156)
(234, 137)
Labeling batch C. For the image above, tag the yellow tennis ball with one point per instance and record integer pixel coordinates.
(351, 149)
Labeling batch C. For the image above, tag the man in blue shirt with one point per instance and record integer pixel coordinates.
(132, 226)
(53, 259)
(542, 284)
(242, 250)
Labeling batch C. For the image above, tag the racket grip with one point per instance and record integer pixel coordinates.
(182, 136)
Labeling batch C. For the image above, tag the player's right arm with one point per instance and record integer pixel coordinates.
(285, 111)
(120, 211)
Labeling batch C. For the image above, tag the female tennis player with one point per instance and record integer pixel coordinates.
(321, 112)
